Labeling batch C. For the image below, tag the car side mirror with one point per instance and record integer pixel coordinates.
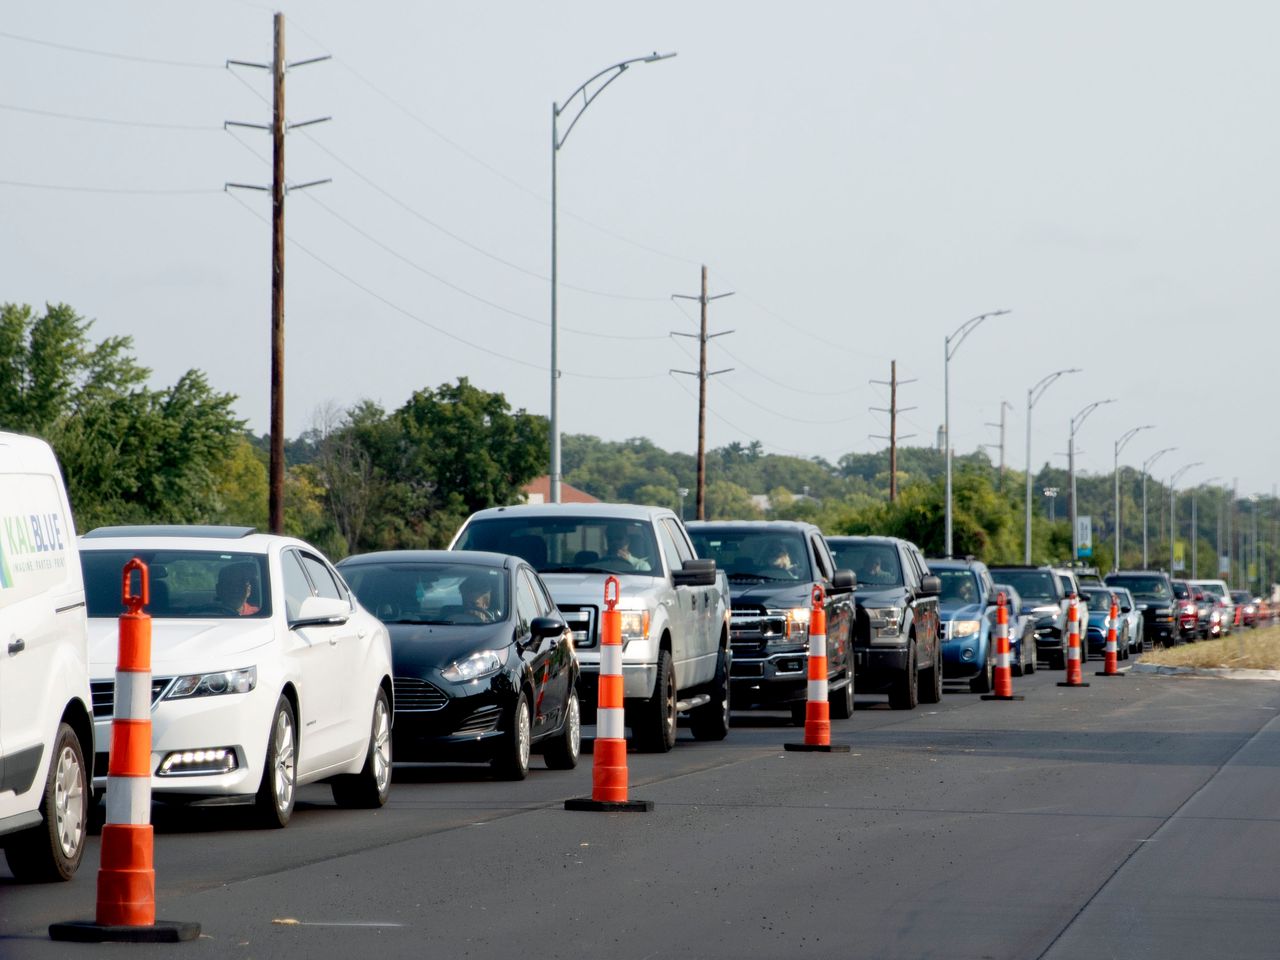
(544, 627)
(696, 573)
(930, 586)
(844, 581)
(321, 611)
(1084, 597)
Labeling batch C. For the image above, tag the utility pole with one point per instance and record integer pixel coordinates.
(702, 376)
(893, 410)
(1004, 405)
(279, 126)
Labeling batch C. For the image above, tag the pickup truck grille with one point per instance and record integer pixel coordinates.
(751, 629)
(582, 621)
(104, 695)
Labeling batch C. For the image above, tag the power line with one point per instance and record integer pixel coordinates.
(111, 55)
(106, 120)
(126, 191)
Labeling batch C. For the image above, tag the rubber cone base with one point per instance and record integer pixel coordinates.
(1065, 684)
(817, 747)
(162, 931)
(996, 696)
(1103, 673)
(609, 806)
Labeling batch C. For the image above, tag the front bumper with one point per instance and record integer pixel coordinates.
(876, 667)
(963, 658)
(777, 678)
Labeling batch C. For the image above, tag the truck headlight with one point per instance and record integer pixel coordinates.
(964, 628)
(886, 622)
(635, 625)
(213, 684)
(798, 623)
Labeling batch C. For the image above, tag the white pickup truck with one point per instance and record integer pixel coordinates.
(675, 606)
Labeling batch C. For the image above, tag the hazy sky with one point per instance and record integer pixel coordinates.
(864, 177)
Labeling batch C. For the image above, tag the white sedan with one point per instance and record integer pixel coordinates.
(266, 672)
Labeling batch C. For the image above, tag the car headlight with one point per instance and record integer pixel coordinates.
(1165, 612)
(635, 625)
(886, 622)
(213, 684)
(964, 628)
(798, 623)
(479, 664)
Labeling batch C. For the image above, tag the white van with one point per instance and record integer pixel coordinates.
(46, 721)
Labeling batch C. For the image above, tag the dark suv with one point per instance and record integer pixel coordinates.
(773, 567)
(896, 644)
(1153, 593)
(1042, 591)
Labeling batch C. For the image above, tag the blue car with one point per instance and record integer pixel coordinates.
(1022, 631)
(1096, 633)
(966, 608)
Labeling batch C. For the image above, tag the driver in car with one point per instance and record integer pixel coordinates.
(235, 585)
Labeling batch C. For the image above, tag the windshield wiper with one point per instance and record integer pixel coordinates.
(430, 623)
(572, 569)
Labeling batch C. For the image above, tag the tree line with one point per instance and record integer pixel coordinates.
(367, 478)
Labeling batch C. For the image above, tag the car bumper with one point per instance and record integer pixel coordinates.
(876, 667)
(962, 659)
(638, 680)
(775, 680)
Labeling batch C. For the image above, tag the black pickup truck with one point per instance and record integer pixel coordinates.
(897, 649)
(773, 567)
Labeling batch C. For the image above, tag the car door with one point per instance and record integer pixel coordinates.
(690, 614)
(924, 609)
(539, 654)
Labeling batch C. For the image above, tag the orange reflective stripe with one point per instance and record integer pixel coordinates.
(611, 628)
(130, 749)
(135, 643)
(610, 691)
(817, 668)
(818, 621)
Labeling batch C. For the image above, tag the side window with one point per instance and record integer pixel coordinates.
(296, 586)
(526, 604)
(683, 548)
(913, 571)
(544, 598)
(669, 548)
(325, 585)
(826, 566)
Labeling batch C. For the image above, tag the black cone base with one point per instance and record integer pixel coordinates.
(996, 696)
(609, 806)
(1065, 684)
(817, 747)
(162, 931)
(1103, 673)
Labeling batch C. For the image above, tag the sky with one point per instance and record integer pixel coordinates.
(862, 177)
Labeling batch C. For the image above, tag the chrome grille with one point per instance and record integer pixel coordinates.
(582, 621)
(416, 695)
(751, 629)
(104, 695)
(482, 721)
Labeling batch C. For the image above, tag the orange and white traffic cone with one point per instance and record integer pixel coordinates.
(609, 751)
(1112, 650)
(126, 876)
(1004, 659)
(817, 709)
(1075, 676)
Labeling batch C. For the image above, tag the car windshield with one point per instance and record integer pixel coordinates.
(1213, 589)
(437, 592)
(1100, 600)
(569, 544)
(1035, 586)
(1143, 588)
(1181, 591)
(958, 586)
(1241, 596)
(747, 554)
(1067, 586)
(184, 584)
(876, 564)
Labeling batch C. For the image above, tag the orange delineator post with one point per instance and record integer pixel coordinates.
(817, 708)
(1112, 650)
(126, 909)
(1004, 658)
(1075, 676)
(609, 751)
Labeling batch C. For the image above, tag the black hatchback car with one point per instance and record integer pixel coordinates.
(483, 664)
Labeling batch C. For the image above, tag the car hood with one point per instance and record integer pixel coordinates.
(417, 649)
(773, 594)
(880, 596)
(588, 588)
(967, 611)
(181, 646)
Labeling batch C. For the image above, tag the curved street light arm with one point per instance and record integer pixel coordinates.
(1083, 414)
(1156, 456)
(967, 328)
(617, 70)
(1033, 395)
(1174, 480)
(1120, 444)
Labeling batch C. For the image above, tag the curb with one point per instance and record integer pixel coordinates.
(1222, 673)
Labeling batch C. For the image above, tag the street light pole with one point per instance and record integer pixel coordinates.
(1145, 467)
(1173, 508)
(1195, 533)
(1033, 395)
(1076, 423)
(959, 336)
(605, 77)
(1120, 444)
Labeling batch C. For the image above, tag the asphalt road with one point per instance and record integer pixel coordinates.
(1135, 818)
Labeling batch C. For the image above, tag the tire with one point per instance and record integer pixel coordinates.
(1031, 660)
(562, 750)
(711, 722)
(841, 701)
(273, 806)
(982, 683)
(53, 850)
(905, 692)
(512, 759)
(930, 683)
(368, 789)
(653, 721)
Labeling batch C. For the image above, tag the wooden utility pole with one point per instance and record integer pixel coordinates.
(893, 410)
(1004, 405)
(279, 126)
(702, 376)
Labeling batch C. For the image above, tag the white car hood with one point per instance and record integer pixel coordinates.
(181, 646)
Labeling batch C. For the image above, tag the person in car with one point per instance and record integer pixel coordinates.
(619, 548)
(778, 558)
(477, 594)
(235, 586)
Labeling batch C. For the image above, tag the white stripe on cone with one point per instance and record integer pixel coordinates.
(133, 695)
(129, 800)
(609, 724)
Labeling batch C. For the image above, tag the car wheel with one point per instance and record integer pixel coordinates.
(368, 789)
(563, 750)
(273, 806)
(711, 721)
(982, 683)
(905, 692)
(653, 721)
(53, 849)
(842, 700)
(512, 760)
(931, 679)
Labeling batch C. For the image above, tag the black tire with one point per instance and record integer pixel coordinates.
(368, 789)
(273, 806)
(841, 701)
(511, 762)
(653, 721)
(930, 683)
(561, 751)
(52, 850)
(711, 721)
(983, 682)
(1031, 660)
(905, 692)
